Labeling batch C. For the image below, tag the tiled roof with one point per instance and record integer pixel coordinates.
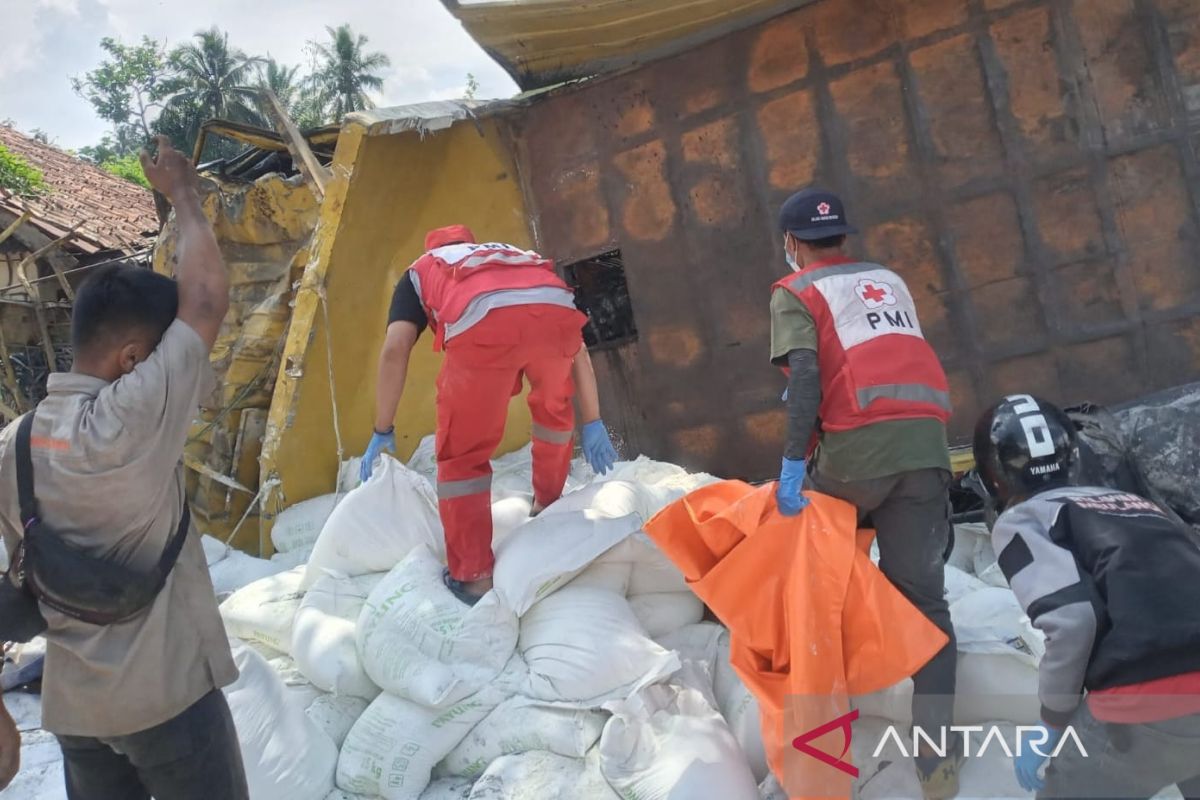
(115, 214)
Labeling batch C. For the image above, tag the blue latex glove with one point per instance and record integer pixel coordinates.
(598, 448)
(1035, 753)
(791, 481)
(380, 442)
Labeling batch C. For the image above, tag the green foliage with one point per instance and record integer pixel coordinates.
(145, 89)
(128, 167)
(19, 176)
(128, 90)
(344, 72)
(472, 87)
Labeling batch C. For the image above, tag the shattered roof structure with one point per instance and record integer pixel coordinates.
(543, 42)
(111, 212)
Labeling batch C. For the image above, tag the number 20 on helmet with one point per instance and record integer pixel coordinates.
(1023, 445)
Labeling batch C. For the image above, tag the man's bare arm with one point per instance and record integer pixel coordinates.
(393, 371)
(587, 395)
(199, 268)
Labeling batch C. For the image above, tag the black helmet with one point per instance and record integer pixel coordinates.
(1023, 445)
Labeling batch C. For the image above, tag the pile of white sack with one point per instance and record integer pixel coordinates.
(588, 673)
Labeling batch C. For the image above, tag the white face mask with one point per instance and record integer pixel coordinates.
(791, 259)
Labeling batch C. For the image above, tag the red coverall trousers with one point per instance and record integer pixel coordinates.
(483, 370)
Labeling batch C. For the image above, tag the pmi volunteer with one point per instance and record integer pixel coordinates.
(502, 315)
(867, 404)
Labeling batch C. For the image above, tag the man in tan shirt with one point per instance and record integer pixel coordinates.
(136, 706)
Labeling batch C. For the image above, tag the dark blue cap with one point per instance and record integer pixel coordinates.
(814, 214)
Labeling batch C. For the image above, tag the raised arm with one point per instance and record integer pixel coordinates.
(199, 269)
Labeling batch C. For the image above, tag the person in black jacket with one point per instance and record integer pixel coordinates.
(1115, 586)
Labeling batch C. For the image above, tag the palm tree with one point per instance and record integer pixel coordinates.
(344, 72)
(211, 79)
(280, 79)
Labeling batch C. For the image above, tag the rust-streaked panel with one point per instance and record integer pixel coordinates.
(543, 42)
(1027, 165)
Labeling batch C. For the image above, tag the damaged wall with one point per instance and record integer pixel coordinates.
(264, 230)
(1030, 166)
(387, 190)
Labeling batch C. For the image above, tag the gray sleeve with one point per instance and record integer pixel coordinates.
(803, 401)
(1058, 599)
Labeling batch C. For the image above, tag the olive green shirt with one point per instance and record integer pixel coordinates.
(873, 451)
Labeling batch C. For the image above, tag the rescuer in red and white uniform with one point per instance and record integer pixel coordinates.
(867, 405)
(502, 315)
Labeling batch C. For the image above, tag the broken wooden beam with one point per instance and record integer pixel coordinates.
(313, 171)
(11, 229)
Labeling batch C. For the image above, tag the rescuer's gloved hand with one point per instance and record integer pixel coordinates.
(380, 442)
(597, 447)
(1034, 753)
(791, 480)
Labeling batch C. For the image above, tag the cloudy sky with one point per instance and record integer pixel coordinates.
(46, 42)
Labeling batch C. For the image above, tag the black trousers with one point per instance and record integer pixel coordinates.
(912, 526)
(194, 756)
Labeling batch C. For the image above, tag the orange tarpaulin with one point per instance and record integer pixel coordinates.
(811, 619)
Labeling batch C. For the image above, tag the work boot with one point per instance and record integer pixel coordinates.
(939, 776)
(460, 589)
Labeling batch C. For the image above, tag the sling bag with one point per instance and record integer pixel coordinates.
(47, 568)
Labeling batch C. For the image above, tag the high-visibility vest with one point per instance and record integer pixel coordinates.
(460, 283)
(875, 363)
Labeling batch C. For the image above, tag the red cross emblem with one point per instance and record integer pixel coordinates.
(823, 209)
(875, 294)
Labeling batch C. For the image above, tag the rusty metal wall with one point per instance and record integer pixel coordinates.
(1030, 166)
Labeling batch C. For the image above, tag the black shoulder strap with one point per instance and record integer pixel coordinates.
(171, 552)
(25, 470)
(29, 510)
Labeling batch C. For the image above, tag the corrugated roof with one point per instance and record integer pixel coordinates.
(115, 214)
(541, 42)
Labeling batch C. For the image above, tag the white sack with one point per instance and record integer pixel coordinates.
(264, 611)
(324, 639)
(508, 515)
(968, 538)
(378, 524)
(448, 789)
(552, 548)
(292, 558)
(335, 716)
(237, 570)
(991, 621)
(214, 550)
(989, 687)
(739, 707)
(652, 572)
(392, 749)
(418, 641)
(338, 794)
(697, 647)
(540, 775)
(297, 527)
(297, 690)
(667, 743)
(669, 611)
(284, 752)
(609, 577)
(959, 584)
(519, 725)
(585, 646)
